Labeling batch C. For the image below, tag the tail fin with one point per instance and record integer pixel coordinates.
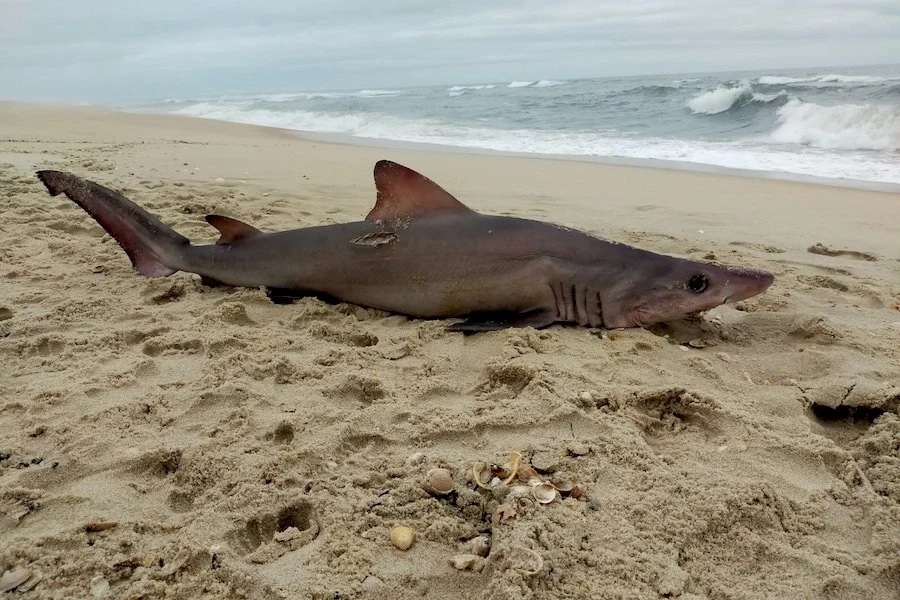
(151, 245)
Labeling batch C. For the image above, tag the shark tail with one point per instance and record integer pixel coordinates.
(155, 249)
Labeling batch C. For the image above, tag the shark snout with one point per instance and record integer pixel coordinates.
(748, 284)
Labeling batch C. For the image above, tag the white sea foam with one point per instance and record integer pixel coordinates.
(518, 84)
(825, 79)
(460, 88)
(840, 127)
(755, 155)
(549, 83)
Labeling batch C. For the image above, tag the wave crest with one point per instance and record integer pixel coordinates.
(726, 97)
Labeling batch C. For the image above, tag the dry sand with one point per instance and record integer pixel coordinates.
(164, 439)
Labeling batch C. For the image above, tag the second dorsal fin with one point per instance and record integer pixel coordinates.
(403, 192)
(232, 230)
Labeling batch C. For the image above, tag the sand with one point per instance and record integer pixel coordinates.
(160, 438)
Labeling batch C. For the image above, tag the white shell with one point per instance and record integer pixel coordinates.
(402, 537)
(481, 545)
(438, 482)
(544, 493)
(13, 578)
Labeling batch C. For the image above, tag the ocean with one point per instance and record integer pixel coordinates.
(840, 124)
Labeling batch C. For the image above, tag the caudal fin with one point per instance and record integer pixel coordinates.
(152, 246)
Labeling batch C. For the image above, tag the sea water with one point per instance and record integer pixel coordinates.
(841, 124)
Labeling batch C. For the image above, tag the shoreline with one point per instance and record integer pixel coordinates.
(652, 163)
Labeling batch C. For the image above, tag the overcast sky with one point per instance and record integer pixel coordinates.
(102, 50)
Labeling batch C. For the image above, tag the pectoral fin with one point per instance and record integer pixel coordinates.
(495, 321)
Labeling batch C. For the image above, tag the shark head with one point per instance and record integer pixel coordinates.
(669, 288)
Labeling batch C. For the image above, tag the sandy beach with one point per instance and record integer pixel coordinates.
(160, 438)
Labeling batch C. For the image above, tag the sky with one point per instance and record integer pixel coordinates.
(133, 50)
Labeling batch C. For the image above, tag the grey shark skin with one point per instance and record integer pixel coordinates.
(422, 253)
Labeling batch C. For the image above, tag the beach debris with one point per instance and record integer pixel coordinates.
(98, 526)
(467, 562)
(504, 512)
(32, 582)
(491, 476)
(524, 560)
(13, 578)
(372, 585)
(567, 489)
(517, 485)
(578, 449)
(99, 587)
(481, 545)
(438, 482)
(544, 493)
(402, 537)
(176, 563)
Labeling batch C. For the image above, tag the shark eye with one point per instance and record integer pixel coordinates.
(698, 283)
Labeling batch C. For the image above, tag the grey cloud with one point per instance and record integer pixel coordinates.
(103, 50)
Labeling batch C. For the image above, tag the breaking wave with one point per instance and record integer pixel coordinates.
(840, 127)
(725, 97)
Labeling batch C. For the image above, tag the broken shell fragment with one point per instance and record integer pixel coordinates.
(31, 583)
(469, 562)
(515, 459)
(544, 493)
(527, 473)
(402, 537)
(481, 473)
(13, 578)
(438, 482)
(481, 545)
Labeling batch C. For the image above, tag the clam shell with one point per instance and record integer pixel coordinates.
(402, 537)
(13, 578)
(481, 545)
(544, 493)
(438, 482)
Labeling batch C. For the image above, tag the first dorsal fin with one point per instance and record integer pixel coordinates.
(232, 230)
(403, 192)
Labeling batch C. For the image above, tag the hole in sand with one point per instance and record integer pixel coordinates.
(845, 414)
(262, 529)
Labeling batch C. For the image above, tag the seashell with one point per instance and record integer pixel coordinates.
(402, 537)
(481, 545)
(175, 565)
(515, 459)
(471, 562)
(13, 578)
(522, 559)
(544, 493)
(99, 587)
(31, 583)
(481, 473)
(438, 482)
(526, 473)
